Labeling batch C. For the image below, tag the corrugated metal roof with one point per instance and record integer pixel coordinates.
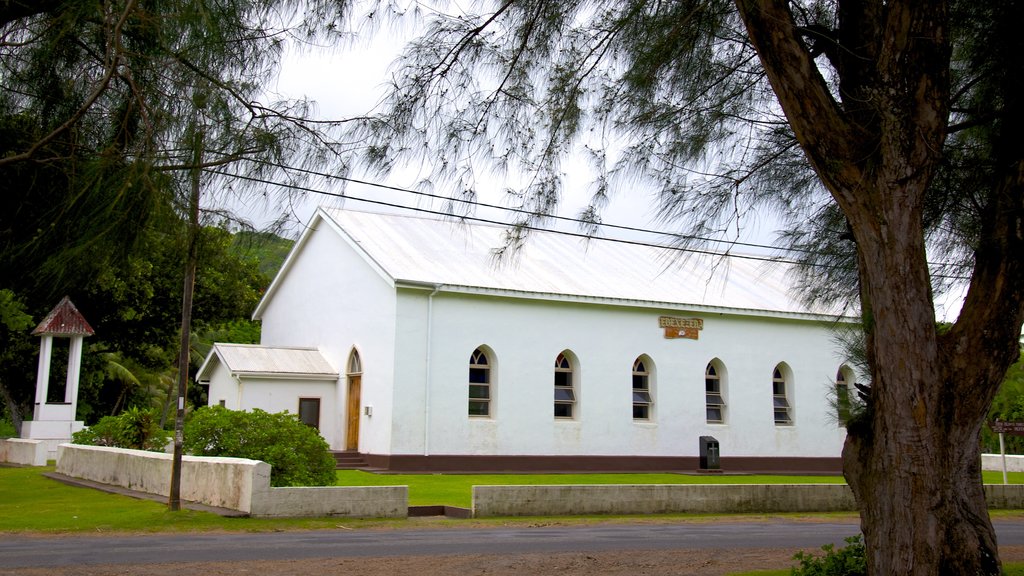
(455, 254)
(64, 320)
(254, 359)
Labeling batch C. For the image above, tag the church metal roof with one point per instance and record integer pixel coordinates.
(254, 360)
(460, 255)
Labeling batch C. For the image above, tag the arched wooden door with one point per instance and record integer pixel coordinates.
(355, 381)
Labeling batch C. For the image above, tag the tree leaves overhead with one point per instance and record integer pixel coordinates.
(662, 95)
(99, 103)
(668, 96)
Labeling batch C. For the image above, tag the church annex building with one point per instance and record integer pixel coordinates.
(404, 339)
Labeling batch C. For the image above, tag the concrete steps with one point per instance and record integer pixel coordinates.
(348, 460)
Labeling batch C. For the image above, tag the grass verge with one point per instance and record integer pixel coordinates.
(32, 503)
(456, 489)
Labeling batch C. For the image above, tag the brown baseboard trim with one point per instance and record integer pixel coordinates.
(551, 464)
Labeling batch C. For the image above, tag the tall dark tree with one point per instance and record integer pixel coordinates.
(141, 102)
(100, 101)
(875, 129)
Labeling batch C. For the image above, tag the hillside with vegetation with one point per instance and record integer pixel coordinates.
(132, 298)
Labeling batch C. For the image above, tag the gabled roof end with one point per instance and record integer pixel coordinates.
(64, 320)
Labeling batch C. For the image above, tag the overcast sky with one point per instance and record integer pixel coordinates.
(349, 81)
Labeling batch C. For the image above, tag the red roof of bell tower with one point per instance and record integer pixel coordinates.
(64, 320)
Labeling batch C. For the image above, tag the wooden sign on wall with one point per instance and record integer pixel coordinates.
(681, 327)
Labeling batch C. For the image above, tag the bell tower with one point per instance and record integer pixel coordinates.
(53, 419)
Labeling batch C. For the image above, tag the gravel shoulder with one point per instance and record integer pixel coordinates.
(707, 562)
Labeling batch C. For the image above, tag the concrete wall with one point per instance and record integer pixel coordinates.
(222, 482)
(233, 483)
(352, 501)
(19, 451)
(994, 462)
(686, 498)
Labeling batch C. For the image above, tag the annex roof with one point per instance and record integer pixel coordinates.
(459, 255)
(267, 361)
(64, 320)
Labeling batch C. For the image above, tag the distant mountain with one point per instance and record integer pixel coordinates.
(269, 250)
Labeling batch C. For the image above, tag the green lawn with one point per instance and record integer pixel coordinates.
(456, 489)
(30, 502)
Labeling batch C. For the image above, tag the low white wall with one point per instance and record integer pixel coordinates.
(20, 451)
(659, 499)
(994, 462)
(686, 498)
(351, 501)
(233, 483)
(221, 482)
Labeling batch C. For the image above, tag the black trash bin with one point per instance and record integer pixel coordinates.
(709, 453)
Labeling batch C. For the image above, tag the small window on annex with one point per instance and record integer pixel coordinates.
(844, 377)
(565, 394)
(642, 401)
(479, 384)
(714, 397)
(309, 412)
(780, 402)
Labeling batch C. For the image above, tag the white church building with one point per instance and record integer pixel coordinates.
(405, 340)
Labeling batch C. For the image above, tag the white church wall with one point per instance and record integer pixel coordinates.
(282, 394)
(334, 300)
(273, 395)
(410, 388)
(223, 387)
(526, 336)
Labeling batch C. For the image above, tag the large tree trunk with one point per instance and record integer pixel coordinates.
(912, 459)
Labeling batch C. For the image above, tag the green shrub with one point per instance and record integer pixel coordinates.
(134, 428)
(846, 561)
(298, 456)
(6, 429)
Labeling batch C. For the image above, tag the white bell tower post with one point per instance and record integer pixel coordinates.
(54, 422)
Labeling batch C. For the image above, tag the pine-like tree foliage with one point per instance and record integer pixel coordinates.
(884, 134)
(667, 96)
(100, 103)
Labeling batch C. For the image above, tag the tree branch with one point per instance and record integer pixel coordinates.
(112, 61)
(12, 10)
(815, 116)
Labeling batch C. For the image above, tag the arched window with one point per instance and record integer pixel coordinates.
(780, 402)
(714, 398)
(565, 394)
(479, 384)
(642, 401)
(355, 365)
(844, 377)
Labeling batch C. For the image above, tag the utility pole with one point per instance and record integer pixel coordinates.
(191, 260)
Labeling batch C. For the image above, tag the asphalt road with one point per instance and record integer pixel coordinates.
(63, 551)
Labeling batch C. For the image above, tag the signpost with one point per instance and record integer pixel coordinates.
(1004, 428)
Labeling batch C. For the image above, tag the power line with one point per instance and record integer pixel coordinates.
(529, 213)
(769, 259)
